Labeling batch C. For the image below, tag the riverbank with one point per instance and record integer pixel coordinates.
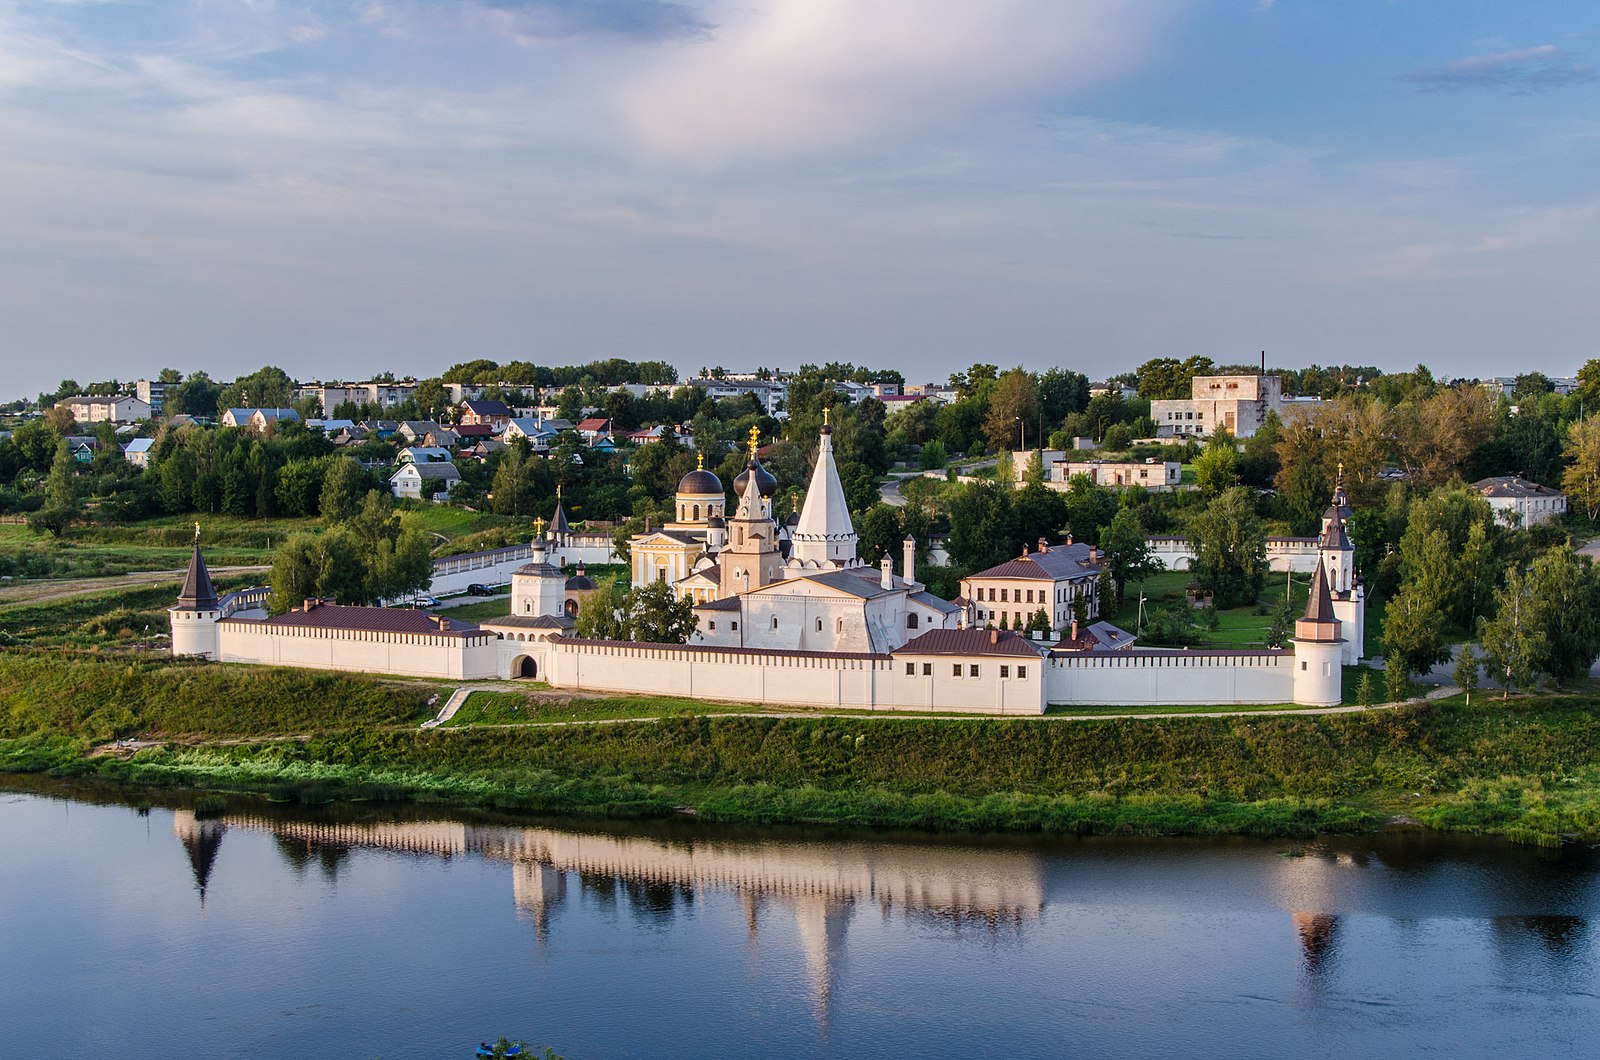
(1528, 769)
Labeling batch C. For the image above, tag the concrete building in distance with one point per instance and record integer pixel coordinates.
(1520, 502)
(1152, 475)
(115, 408)
(1237, 403)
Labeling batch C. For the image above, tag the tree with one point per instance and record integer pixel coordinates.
(1413, 630)
(343, 487)
(1014, 398)
(1281, 629)
(1119, 438)
(657, 614)
(1217, 467)
(1168, 378)
(1396, 681)
(299, 487)
(1365, 694)
(879, 532)
(1230, 549)
(1512, 641)
(60, 495)
(601, 615)
(1564, 596)
(1129, 557)
(1581, 479)
(1466, 672)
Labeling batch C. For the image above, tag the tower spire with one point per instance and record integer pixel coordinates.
(197, 593)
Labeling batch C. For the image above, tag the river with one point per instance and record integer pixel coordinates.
(134, 934)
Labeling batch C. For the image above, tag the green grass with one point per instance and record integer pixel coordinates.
(1238, 627)
(1528, 768)
(519, 708)
(481, 611)
(116, 616)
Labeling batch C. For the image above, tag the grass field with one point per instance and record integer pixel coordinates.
(1238, 627)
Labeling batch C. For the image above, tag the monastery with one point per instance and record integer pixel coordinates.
(791, 614)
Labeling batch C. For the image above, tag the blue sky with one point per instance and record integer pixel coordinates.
(341, 188)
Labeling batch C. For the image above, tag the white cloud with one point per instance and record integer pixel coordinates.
(799, 77)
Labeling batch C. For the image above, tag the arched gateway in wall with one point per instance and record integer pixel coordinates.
(524, 666)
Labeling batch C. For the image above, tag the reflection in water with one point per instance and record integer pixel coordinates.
(1318, 939)
(819, 885)
(202, 839)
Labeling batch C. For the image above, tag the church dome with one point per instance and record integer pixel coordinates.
(580, 582)
(700, 483)
(717, 522)
(764, 480)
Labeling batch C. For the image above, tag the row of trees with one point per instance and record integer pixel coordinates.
(363, 557)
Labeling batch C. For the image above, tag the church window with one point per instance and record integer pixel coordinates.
(734, 626)
(819, 625)
(661, 574)
(741, 535)
(1302, 664)
(911, 621)
(697, 513)
(713, 625)
(774, 621)
(839, 626)
(972, 671)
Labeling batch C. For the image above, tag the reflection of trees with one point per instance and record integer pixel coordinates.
(1559, 937)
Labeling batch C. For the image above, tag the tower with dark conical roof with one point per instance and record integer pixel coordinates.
(1318, 677)
(194, 617)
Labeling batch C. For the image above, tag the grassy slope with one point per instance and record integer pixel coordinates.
(1530, 768)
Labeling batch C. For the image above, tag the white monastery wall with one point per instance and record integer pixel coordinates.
(360, 651)
(1297, 554)
(1178, 678)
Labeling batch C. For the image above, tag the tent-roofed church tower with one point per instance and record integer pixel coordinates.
(751, 558)
(194, 617)
(824, 537)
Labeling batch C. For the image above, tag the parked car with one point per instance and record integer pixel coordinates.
(424, 601)
(479, 589)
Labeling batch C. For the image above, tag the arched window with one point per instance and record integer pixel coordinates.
(819, 625)
(697, 513)
(774, 621)
(911, 621)
(839, 626)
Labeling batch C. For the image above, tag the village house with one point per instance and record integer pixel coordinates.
(1520, 502)
(412, 480)
(480, 412)
(1048, 579)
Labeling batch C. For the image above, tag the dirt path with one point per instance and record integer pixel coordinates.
(48, 589)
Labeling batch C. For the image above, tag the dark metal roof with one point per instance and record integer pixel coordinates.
(558, 521)
(1054, 564)
(1320, 607)
(700, 482)
(371, 620)
(712, 649)
(532, 622)
(969, 642)
(197, 593)
(727, 603)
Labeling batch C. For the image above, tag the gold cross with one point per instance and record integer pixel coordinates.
(755, 440)
(825, 410)
(700, 461)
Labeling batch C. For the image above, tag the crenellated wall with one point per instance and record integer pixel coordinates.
(468, 658)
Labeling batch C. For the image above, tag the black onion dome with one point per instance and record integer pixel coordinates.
(765, 482)
(717, 521)
(700, 482)
(580, 581)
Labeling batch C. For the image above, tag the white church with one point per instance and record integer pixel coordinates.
(792, 615)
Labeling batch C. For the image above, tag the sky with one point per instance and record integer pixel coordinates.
(347, 188)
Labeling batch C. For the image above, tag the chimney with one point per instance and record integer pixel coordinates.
(308, 605)
(1044, 546)
(908, 558)
(1074, 631)
(887, 581)
(1024, 548)
(1069, 537)
(1094, 554)
(994, 636)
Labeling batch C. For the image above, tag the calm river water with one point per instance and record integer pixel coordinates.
(271, 934)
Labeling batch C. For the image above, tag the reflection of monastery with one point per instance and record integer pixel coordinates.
(790, 614)
(821, 885)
